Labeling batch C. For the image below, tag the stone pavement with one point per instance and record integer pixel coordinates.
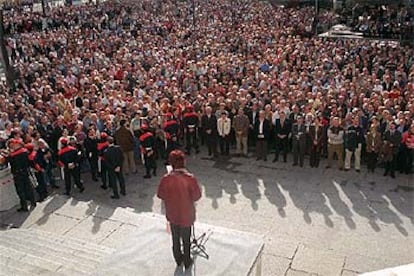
(315, 221)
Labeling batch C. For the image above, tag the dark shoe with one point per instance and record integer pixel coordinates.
(346, 170)
(392, 175)
(147, 176)
(21, 209)
(385, 173)
(258, 158)
(66, 194)
(95, 179)
(115, 196)
(33, 205)
(274, 160)
(189, 264)
(328, 167)
(104, 187)
(55, 186)
(123, 193)
(358, 171)
(154, 173)
(197, 151)
(81, 190)
(294, 164)
(341, 169)
(265, 159)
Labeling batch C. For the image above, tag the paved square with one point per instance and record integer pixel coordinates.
(315, 222)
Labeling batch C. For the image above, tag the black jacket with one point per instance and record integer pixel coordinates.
(266, 129)
(285, 130)
(113, 157)
(209, 124)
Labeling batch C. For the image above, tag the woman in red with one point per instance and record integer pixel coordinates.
(179, 190)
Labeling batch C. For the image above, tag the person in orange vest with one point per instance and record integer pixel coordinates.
(102, 146)
(18, 158)
(190, 123)
(171, 129)
(68, 159)
(38, 172)
(147, 141)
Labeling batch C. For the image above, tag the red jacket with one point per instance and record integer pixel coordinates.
(179, 190)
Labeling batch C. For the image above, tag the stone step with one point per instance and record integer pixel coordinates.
(84, 245)
(67, 245)
(34, 252)
(14, 267)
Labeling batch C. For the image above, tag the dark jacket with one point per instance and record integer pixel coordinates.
(113, 157)
(394, 140)
(209, 124)
(318, 136)
(353, 136)
(285, 130)
(124, 139)
(266, 129)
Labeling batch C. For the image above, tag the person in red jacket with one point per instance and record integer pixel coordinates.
(179, 190)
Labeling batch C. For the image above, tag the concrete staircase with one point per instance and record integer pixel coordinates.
(34, 252)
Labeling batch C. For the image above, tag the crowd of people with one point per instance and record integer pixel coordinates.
(383, 21)
(153, 76)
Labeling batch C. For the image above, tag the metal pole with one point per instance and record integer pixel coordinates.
(4, 54)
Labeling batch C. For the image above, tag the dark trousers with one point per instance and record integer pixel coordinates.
(171, 145)
(24, 189)
(49, 175)
(407, 156)
(181, 236)
(261, 149)
(390, 165)
(315, 155)
(41, 188)
(371, 160)
(104, 174)
(115, 177)
(75, 174)
(281, 146)
(298, 150)
(224, 145)
(93, 162)
(191, 141)
(150, 164)
(211, 143)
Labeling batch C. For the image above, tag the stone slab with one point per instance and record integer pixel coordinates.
(57, 224)
(272, 265)
(318, 261)
(93, 229)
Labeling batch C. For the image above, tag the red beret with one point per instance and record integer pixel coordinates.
(168, 115)
(64, 141)
(144, 126)
(104, 135)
